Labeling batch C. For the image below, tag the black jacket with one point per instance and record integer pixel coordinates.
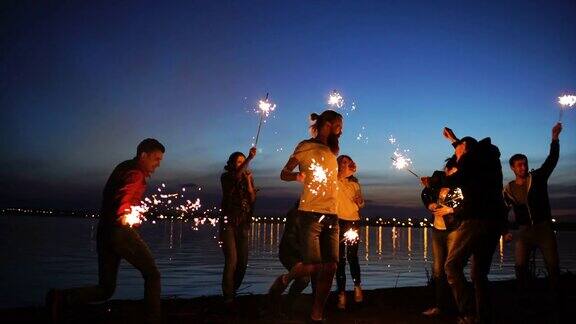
(480, 178)
(431, 194)
(538, 208)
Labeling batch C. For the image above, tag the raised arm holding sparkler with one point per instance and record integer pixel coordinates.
(238, 198)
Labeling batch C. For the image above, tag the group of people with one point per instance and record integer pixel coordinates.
(472, 226)
(313, 248)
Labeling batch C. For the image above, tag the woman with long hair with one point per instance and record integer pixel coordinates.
(238, 197)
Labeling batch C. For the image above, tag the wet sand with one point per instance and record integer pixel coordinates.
(390, 305)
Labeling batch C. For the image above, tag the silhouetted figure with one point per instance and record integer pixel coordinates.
(238, 198)
(317, 218)
(117, 239)
(483, 215)
(528, 196)
(350, 201)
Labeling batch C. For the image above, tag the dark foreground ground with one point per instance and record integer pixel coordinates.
(392, 305)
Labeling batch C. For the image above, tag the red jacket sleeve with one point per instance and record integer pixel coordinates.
(131, 192)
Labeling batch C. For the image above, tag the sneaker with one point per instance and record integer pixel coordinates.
(278, 286)
(231, 306)
(342, 300)
(55, 305)
(358, 295)
(432, 311)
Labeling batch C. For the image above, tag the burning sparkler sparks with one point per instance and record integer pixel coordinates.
(400, 159)
(566, 101)
(265, 107)
(335, 99)
(351, 237)
(402, 162)
(135, 216)
(319, 178)
(454, 198)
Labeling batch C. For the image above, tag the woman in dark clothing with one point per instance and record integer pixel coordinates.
(441, 201)
(238, 197)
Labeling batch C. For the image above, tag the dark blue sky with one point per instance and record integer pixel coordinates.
(82, 83)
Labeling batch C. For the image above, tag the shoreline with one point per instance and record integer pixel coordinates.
(384, 305)
(365, 221)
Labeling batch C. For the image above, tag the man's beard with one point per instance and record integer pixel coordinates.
(333, 143)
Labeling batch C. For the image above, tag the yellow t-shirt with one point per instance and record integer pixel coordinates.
(347, 207)
(320, 191)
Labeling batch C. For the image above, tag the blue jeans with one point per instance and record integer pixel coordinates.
(115, 243)
(318, 237)
(476, 238)
(441, 240)
(539, 236)
(235, 248)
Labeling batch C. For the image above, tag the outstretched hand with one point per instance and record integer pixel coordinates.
(449, 134)
(556, 131)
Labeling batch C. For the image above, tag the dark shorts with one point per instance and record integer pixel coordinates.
(318, 237)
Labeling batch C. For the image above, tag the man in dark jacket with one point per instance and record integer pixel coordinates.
(528, 196)
(117, 237)
(482, 217)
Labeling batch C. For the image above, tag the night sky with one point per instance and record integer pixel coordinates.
(81, 83)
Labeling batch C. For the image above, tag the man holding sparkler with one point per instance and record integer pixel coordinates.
(238, 198)
(483, 218)
(528, 196)
(117, 237)
(437, 198)
(317, 210)
(349, 203)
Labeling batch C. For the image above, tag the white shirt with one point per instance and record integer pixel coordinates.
(347, 207)
(320, 191)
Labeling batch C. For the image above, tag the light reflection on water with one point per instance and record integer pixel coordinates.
(42, 252)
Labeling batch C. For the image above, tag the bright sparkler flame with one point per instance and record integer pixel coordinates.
(135, 216)
(454, 198)
(319, 178)
(266, 107)
(567, 101)
(351, 237)
(400, 161)
(335, 99)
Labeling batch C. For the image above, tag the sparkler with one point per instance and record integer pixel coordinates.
(565, 101)
(351, 237)
(319, 177)
(135, 215)
(401, 162)
(453, 199)
(336, 100)
(265, 107)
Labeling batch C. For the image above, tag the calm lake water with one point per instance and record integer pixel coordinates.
(38, 253)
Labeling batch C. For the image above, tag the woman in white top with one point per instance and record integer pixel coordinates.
(349, 203)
